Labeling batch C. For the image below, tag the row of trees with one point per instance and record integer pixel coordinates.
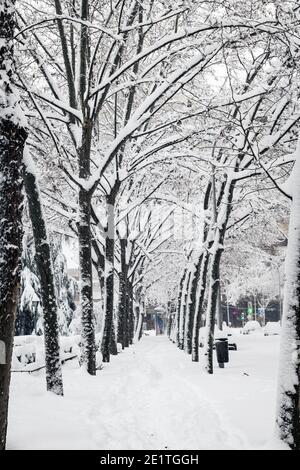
(137, 110)
(254, 142)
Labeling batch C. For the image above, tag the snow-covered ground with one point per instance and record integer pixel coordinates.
(153, 397)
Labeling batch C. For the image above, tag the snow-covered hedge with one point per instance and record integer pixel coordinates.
(29, 351)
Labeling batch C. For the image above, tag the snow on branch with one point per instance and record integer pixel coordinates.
(85, 23)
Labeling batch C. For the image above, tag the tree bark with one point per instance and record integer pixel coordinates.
(288, 412)
(183, 310)
(191, 308)
(225, 196)
(126, 318)
(130, 313)
(142, 314)
(113, 343)
(139, 325)
(45, 273)
(203, 260)
(219, 306)
(211, 309)
(86, 283)
(109, 277)
(199, 281)
(12, 141)
(84, 197)
(170, 325)
(178, 312)
(122, 294)
(99, 265)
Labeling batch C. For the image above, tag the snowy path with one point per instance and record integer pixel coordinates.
(153, 397)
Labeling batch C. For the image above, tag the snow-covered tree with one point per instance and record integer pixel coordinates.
(288, 416)
(29, 318)
(45, 272)
(12, 140)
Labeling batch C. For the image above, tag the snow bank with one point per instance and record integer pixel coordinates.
(29, 351)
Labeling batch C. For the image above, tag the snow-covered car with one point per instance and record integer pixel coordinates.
(251, 326)
(272, 328)
(225, 333)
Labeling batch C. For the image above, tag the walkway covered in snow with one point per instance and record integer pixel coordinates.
(153, 397)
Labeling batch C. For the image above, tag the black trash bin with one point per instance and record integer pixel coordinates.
(222, 351)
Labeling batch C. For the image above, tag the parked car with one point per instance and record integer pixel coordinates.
(272, 328)
(251, 326)
(225, 333)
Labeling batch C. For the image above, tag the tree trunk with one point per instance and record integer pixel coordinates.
(192, 307)
(127, 315)
(109, 278)
(225, 197)
(199, 281)
(99, 265)
(86, 283)
(183, 311)
(46, 278)
(203, 260)
(12, 141)
(178, 311)
(85, 194)
(170, 324)
(219, 306)
(122, 294)
(139, 326)
(142, 313)
(130, 313)
(113, 343)
(121, 310)
(288, 414)
(211, 309)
